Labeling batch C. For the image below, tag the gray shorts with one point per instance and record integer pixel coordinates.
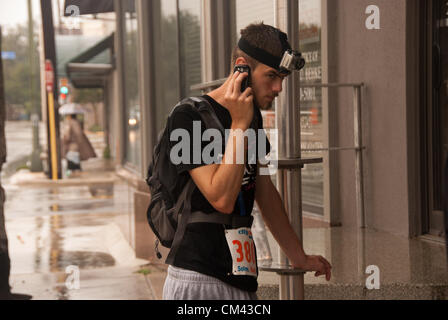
(181, 284)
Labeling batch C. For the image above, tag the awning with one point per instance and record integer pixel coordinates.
(89, 6)
(95, 6)
(83, 74)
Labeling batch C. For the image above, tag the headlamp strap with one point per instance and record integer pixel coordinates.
(264, 56)
(259, 54)
(284, 41)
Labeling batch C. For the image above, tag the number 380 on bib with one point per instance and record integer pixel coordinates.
(242, 249)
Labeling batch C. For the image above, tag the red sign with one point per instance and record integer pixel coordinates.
(49, 76)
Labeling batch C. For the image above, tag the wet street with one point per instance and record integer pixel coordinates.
(56, 233)
(71, 242)
(19, 142)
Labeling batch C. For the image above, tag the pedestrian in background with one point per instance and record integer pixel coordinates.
(76, 147)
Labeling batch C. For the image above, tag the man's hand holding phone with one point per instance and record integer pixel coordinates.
(239, 104)
(242, 68)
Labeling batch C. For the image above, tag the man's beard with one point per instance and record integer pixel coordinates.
(264, 108)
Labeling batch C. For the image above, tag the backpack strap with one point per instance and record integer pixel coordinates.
(183, 206)
(234, 221)
(208, 114)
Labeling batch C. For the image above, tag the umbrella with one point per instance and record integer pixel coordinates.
(71, 108)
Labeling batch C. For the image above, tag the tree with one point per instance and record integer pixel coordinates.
(91, 98)
(87, 96)
(18, 72)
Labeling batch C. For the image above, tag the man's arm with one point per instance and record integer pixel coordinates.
(276, 219)
(221, 183)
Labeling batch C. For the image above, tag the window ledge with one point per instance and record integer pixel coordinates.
(132, 179)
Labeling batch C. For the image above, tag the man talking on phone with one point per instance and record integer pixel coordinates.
(216, 261)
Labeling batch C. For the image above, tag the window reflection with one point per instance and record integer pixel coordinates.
(257, 11)
(311, 103)
(179, 60)
(190, 45)
(132, 106)
(253, 11)
(167, 62)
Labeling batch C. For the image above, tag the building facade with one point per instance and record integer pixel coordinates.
(389, 59)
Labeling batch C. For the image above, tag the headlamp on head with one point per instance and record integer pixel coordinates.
(292, 61)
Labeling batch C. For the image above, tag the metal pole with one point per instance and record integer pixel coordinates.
(119, 112)
(358, 155)
(50, 54)
(289, 181)
(282, 259)
(36, 163)
(53, 143)
(357, 115)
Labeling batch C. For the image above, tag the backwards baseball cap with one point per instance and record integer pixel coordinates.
(291, 60)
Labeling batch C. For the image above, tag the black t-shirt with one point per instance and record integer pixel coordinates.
(204, 247)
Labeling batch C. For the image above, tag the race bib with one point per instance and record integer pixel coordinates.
(242, 249)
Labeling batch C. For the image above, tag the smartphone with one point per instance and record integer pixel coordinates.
(242, 68)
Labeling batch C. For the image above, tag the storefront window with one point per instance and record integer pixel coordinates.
(190, 45)
(167, 62)
(132, 106)
(257, 11)
(311, 103)
(253, 11)
(179, 55)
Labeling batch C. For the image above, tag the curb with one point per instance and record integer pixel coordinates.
(28, 179)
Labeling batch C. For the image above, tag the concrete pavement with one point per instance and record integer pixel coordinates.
(19, 144)
(78, 222)
(59, 230)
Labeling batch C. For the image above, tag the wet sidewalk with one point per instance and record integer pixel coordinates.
(75, 229)
(84, 223)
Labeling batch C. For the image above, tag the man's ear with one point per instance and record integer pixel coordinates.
(240, 60)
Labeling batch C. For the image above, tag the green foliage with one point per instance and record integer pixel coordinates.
(22, 85)
(144, 271)
(106, 153)
(190, 52)
(95, 128)
(87, 96)
(23, 167)
(178, 57)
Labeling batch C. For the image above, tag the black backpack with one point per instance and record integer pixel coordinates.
(169, 217)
